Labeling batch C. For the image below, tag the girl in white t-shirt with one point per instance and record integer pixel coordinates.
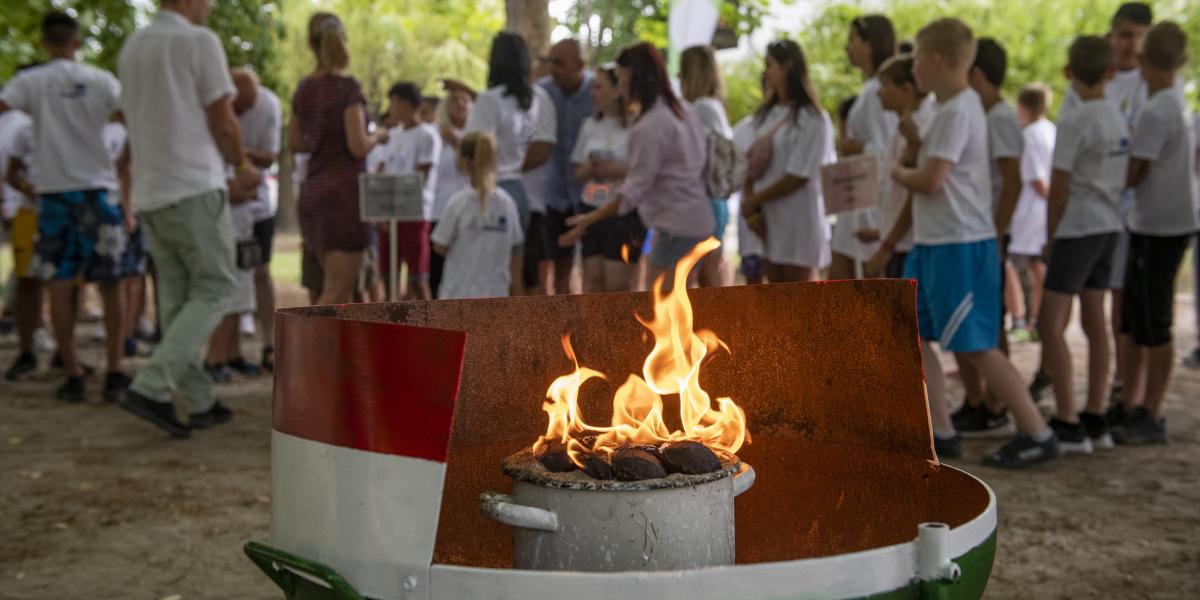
(451, 118)
(479, 232)
(785, 204)
(701, 83)
(612, 248)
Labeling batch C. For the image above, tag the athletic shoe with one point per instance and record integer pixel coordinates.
(983, 423)
(131, 347)
(44, 342)
(239, 365)
(25, 364)
(115, 383)
(159, 414)
(212, 417)
(1115, 415)
(1022, 452)
(963, 413)
(57, 363)
(1041, 383)
(1097, 430)
(1192, 360)
(72, 391)
(1072, 437)
(1141, 429)
(1116, 393)
(1020, 336)
(219, 373)
(948, 447)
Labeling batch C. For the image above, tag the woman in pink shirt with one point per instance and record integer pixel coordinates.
(665, 181)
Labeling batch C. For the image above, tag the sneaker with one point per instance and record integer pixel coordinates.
(1072, 437)
(212, 417)
(1116, 394)
(72, 391)
(983, 423)
(43, 341)
(268, 359)
(1022, 452)
(1041, 383)
(1192, 360)
(1097, 430)
(131, 347)
(144, 330)
(115, 382)
(1020, 335)
(25, 364)
(57, 363)
(1141, 429)
(1115, 415)
(950, 447)
(219, 373)
(964, 412)
(160, 414)
(239, 365)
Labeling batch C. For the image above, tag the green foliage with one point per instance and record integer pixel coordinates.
(105, 25)
(249, 30)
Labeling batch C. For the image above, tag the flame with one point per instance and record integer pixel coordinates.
(672, 367)
(625, 253)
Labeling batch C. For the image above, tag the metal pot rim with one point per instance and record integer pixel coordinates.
(523, 467)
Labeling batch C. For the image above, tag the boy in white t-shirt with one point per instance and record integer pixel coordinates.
(413, 147)
(1165, 216)
(955, 260)
(1027, 233)
(1091, 155)
(81, 231)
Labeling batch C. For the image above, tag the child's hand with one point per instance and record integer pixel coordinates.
(878, 261)
(1046, 252)
(572, 236)
(867, 236)
(749, 206)
(908, 128)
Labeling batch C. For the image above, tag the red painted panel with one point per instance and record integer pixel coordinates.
(376, 387)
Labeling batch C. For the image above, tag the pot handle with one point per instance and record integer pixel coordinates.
(503, 508)
(743, 479)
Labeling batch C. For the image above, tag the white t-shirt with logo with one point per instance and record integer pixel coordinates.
(1005, 140)
(481, 243)
(261, 126)
(449, 179)
(1092, 145)
(69, 103)
(1028, 227)
(408, 149)
(1167, 203)
(16, 136)
(600, 138)
(961, 211)
(892, 204)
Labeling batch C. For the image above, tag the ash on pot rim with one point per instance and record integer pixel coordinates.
(524, 466)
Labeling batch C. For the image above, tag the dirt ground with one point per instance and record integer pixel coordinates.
(94, 505)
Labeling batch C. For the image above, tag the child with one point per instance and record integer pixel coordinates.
(1090, 158)
(750, 246)
(20, 217)
(480, 233)
(413, 147)
(1028, 229)
(1165, 216)
(955, 257)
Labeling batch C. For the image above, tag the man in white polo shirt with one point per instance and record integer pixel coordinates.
(177, 99)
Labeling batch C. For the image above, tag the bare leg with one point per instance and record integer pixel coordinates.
(1014, 295)
(1037, 269)
(341, 276)
(562, 274)
(264, 295)
(594, 275)
(28, 311)
(1002, 377)
(1091, 304)
(935, 390)
(114, 321)
(1136, 372)
(973, 385)
(618, 276)
(712, 269)
(62, 316)
(135, 302)
(841, 268)
(1056, 354)
(1122, 349)
(1161, 359)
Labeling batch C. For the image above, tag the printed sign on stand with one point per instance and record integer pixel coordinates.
(385, 197)
(850, 184)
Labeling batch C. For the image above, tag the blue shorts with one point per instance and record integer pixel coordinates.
(958, 294)
(668, 249)
(516, 190)
(720, 208)
(80, 234)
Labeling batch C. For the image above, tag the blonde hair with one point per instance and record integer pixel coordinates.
(699, 75)
(952, 39)
(327, 39)
(477, 160)
(1165, 47)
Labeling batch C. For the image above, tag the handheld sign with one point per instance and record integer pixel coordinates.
(850, 184)
(385, 197)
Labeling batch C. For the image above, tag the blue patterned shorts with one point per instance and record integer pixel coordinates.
(80, 234)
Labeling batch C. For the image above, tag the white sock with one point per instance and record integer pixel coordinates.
(1044, 435)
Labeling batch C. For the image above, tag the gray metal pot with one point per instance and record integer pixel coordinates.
(670, 524)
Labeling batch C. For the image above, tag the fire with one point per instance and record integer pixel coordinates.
(672, 367)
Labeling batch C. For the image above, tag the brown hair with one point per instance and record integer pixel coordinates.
(877, 31)
(327, 39)
(1035, 97)
(648, 81)
(898, 70)
(950, 38)
(1165, 46)
(477, 159)
(1089, 58)
(699, 75)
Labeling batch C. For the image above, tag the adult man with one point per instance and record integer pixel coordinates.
(259, 116)
(178, 103)
(80, 232)
(570, 88)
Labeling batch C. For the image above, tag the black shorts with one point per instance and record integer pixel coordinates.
(536, 246)
(1082, 263)
(264, 234)
(1148, 306)
(555, 226)
(894, 269)
(619, 238)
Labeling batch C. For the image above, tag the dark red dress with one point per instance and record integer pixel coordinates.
(328, 207)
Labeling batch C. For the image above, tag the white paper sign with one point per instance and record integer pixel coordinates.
(388, 197)
(850, 184)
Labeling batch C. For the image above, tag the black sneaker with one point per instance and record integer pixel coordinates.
(1097, 430)
(115, 382)
(1141, 429)
(57, 363)
(1072, 437)
(219, 373)
(1115, 415)
(131, 347)
(239, 365)
(983, 423)
(948, 447)
(1041, 383)
(72, 391)
(25, 364)
(268, 359)
(1116, 393)
(1022, 452)
(214, 416)
(160, 414)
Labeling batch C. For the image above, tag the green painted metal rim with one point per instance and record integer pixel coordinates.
(976, 567)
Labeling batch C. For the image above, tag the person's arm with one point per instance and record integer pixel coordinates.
(358, 141)
(887, 247)
(1056, 205)
(1010, 193)
(516, 273)
(442, 250)
(1041, 187)
(222, 123)
(780, 189)
(261, 157)
(295, 138)
(1138, 169)
(580, 223)
(125, 180)
(545, 131)
(536, 155)
(928, 178)
(16, 177)
(582, 172)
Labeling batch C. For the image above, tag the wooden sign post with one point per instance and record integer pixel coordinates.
(389, 198)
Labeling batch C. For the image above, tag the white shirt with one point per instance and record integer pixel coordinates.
(408, 149)
(16, 131)
(892, 204)
(1005, 140)
(513, 128)
(480, 242)
(873, 127)
(600, 138)
(1092, 145)
(171, 71)
(69, 103)
(449, 180)
(712, 116)
(1028, 227)
(797, 231)
(261, 126)
(115, 135)
(748, 242)
(545, 129)
(1167, 203)
(961, 211)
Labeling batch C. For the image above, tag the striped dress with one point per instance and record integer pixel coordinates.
(329, 207)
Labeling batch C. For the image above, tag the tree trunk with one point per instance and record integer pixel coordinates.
(531, 19)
